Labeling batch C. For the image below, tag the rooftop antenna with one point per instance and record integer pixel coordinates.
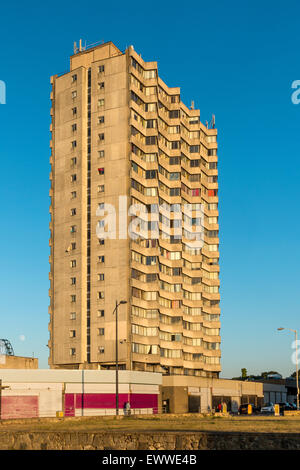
(192, 105)
(75, 48)
(213, 121)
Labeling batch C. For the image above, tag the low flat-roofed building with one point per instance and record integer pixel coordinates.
(182, 394)
(18, 362)
(274, 393)
(45, 392)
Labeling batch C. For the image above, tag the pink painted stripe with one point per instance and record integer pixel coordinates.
(108, 400)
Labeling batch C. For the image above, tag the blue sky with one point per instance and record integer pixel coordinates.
(236, 60)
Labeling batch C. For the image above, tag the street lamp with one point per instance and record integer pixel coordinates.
(296, 342)
(117, 352)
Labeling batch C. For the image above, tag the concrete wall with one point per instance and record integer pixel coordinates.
(153, 440)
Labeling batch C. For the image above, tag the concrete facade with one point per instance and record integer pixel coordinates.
(118, 130)
(18, 362)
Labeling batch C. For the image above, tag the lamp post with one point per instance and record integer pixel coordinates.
(297, 380)
(117, 355)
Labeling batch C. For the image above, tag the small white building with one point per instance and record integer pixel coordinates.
(44, 392)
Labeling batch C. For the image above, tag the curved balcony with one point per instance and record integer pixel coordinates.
(148, 358)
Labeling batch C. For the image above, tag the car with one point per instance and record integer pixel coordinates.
(243, 409)
(289, 407)
(267, 408)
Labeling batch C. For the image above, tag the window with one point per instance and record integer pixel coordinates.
(194, 163)
(74, 127)
(101, 69)
(74, 144)
(73, 212)
(73, 228)
(73, 263)
(101, 331)
(101, 277)
(101, 349)
(100, 188)
(101, 171)
(73, 178)
(73, 298)
(73, 246)
(101, 154)
(100, 313)
(194, 148)
(151, 140)
(210, 289)
(73, 161)
(101, 136)
(74, 94)
(174, 176)
(150, 174)
(74, 78)
(72, 333)
(101, 241)
(170, 353)
(175, 145)
(101, 259)
(72, 352)
(174, 191)
(174, 129)
(101, 102)
(151, 123)
(174, 160)
(100, 85)
(196, 192)
(74, 111)
(143, 331)
(101, 223)
(149, 74)
(100, 119)
(73, 316)
(73, 194)
(101, 295)
(145, 348)
(73, 281)
(174, 114)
